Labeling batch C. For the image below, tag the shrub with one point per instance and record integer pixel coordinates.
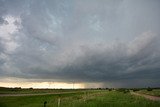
(123, 90)
(135, 89)
(109, 89)
(149, 89)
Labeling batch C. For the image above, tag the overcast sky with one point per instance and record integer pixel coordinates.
(112, 42)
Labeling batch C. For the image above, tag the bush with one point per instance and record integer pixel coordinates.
(109, 89)
(123, 90)
(135, 89)
(149, 89)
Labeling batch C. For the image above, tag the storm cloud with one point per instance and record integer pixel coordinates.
(110, 42)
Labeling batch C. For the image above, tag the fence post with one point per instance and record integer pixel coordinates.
(45, 103)
(59, 101)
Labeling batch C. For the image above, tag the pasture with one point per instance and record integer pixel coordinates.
(73, 98)
(154, 92)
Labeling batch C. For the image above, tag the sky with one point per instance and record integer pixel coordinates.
(79, 43)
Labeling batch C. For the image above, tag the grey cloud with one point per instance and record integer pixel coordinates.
(84, 41)
(110, 65)
(2, 21)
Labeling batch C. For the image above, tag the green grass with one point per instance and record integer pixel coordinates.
(33, 91)
(154, 92)
(92, 98)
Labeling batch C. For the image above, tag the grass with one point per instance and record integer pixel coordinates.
(92, 98)
(154, 92)
(32, 91)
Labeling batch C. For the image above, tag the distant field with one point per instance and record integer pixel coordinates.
(33, 91)
(82, 98)
(154, 92)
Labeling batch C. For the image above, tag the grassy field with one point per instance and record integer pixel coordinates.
(154, 92)
(33, 91)
(82, 98)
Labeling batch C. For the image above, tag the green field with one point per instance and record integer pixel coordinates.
(80, 98)
(154, 92)
(33, 91)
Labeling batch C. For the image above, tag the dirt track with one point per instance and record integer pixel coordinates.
(7, 95)
(153, 98)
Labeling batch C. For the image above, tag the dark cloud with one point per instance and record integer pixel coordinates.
(83, 41)
(115, 65)
(2, 21)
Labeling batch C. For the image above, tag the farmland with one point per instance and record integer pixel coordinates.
(154, 92)
(73, 98)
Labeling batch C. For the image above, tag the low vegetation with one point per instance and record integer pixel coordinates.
(18, 90)
(82, 98)
(154, 92)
